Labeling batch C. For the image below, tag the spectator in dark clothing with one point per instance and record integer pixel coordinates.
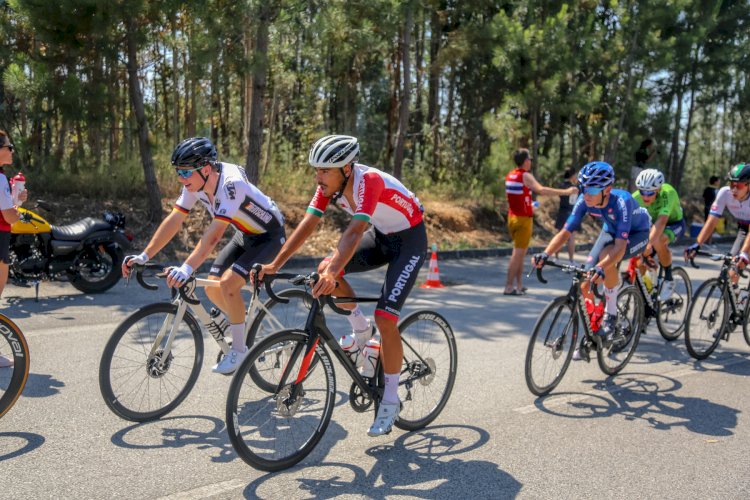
(709, 195)
(643, 156)
(566, 207)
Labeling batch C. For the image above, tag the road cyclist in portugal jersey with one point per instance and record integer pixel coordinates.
(224, 190)
(624, 235)
(736, 198)
(386, 229)
(663, 205)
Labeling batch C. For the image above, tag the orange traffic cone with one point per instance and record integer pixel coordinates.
(433, 275)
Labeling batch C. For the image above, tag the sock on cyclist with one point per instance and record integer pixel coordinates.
(610, 299)
(358, 320)
(238, 337)
(668, 273)
(390, 394)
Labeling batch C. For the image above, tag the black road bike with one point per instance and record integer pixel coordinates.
(716, 310)
(273, 430)
(556, 333)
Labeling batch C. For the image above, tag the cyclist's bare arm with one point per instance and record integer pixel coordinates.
(555, 244)
(530, 181)
(708, 229)
(165, 232)
(207, 243)
(343, 254)
(293, 243)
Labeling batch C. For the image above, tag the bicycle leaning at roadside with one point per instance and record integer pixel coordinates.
(230, 198)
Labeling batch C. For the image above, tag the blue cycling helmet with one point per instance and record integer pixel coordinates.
(597, 174)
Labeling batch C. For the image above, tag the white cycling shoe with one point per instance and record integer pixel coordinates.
(230, 362)
(667, 289)
(384, 420)
(6, 362)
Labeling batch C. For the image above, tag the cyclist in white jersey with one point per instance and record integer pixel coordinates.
(224, 190)
(736, 199)
(396, 238)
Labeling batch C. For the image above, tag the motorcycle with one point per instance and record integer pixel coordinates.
(87, 253)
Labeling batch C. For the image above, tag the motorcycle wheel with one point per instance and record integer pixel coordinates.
(98, 268)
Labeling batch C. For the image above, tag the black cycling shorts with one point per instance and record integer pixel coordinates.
(404, 252)
(5, 246)
(244, 250)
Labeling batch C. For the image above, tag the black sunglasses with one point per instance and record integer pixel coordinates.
(9, 146)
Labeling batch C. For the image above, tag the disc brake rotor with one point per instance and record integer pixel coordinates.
(153, 367)
(285, 407)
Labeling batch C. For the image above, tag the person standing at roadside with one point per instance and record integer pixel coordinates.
(566, 208)
(519, 184)
(644, 156)
(8, 215)
(709, 196)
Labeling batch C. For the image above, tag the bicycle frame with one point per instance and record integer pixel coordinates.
(186, 298)
(735, 317)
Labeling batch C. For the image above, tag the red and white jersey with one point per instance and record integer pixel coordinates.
(519, 195)
(6, 201)
(380, 199)
(236, 201)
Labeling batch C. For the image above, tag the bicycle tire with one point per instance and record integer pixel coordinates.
(671, 328)
(13, 378)
(630, 320)
(554, 344)
(704, 314)
(428, 370)
(127, 354)
(291, 315)
(259, 425)
(745, 326)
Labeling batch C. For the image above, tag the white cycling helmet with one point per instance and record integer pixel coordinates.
(649, 180)
(333, 151)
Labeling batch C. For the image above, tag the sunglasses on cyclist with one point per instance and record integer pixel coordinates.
(9, 146)
(646, 194)
(591, 191)
(737, 185)
(186, 172)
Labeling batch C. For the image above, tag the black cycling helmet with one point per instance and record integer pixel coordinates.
(194, 152)
(740, 173)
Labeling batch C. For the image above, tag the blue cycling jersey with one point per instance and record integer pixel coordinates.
(621, 216)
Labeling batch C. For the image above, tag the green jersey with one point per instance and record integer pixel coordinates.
(667, 203)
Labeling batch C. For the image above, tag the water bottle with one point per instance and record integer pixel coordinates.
(350, 346)
(370, 353)
(218, 324)
(19, 184)
(648, 281)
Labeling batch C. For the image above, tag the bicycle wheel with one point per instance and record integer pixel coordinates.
(707, 319)
(671, 314)
(14, 365)
(630, 318)
(280, 316)
(131, 382)
(551, 346)
(274, 431)
(428, 370)
(745, 326)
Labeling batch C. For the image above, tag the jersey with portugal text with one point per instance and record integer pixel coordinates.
(621, 216)
(379, 198)
(739, 209)
(236, 201)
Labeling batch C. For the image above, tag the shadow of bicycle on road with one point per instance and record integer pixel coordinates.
(647, 397)
(15, 444)
(419, 464)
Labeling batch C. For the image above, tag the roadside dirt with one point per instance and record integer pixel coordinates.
(454, 224)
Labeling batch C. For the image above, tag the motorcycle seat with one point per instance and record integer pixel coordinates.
(79, 230)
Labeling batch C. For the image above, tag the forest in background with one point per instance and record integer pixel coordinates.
(95, 94)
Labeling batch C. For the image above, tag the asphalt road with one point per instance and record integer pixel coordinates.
(667, 427)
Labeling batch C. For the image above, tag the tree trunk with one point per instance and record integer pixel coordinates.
(403, 112)
(175, 87)
(263, 18)
(136, 100)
